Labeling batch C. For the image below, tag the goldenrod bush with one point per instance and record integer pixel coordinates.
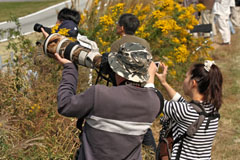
(165, 24)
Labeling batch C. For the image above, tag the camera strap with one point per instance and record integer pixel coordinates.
(161, 99)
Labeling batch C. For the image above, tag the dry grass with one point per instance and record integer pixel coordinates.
(30, 127)
(227, 142)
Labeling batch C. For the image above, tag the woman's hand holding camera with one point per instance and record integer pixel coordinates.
(163, 76)
(153, 71)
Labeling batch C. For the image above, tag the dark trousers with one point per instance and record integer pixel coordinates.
(149, 140)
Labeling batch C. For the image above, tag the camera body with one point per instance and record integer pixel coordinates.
(37, 27)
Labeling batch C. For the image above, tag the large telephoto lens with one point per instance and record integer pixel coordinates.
(73, 51)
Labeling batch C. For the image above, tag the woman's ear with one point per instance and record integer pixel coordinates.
(194, 83)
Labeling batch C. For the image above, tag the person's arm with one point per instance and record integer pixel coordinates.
(70, 104)
(152, 70)
(162, 78)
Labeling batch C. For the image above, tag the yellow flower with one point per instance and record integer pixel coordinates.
(184, 33)
(146, 9)
(181, 53)
(169, 63)
(166, 25)
(137, 9)
(190, 27)
(158, 14)
(141, 18)
(200, 7)
(191, 10)
(1, 124)
(117, 9)
(179, 7)
(103, 43)
(141, 32)
(55, 28)
(161, 115)
(160, 41)
(156, 2)
(173, 72)
(64, 31)
(96, 2)
(175, 40)
(183, 40)
(108, 49)
(72, 39)
(129, 11)
(106, 20)
(142, 28)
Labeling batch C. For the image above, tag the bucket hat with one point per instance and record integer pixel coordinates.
(131, 62)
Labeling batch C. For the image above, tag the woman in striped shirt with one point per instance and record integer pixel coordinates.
(203, 83)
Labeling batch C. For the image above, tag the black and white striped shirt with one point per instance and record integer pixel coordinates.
(199, 146)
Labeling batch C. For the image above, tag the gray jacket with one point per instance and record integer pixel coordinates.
(116, 117)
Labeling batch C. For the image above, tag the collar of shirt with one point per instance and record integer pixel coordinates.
(149, 85)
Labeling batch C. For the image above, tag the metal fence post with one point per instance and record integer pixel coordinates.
(0, 62)
(11, 60)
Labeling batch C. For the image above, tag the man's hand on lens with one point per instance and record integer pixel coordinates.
(61, 60)
(45, 34)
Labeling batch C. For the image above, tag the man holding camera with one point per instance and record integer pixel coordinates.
(66, 25)
(126, 27)
(116, 118)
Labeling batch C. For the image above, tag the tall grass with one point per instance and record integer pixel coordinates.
(20, 9)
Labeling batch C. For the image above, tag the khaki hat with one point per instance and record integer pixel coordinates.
(131, 62)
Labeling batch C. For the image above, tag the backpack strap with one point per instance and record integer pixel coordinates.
(180, 138)
(200, 110)
(161, 99)
(192, 129)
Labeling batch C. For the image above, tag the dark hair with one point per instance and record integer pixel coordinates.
(69, 14)
(129, 22)
(209, 83)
